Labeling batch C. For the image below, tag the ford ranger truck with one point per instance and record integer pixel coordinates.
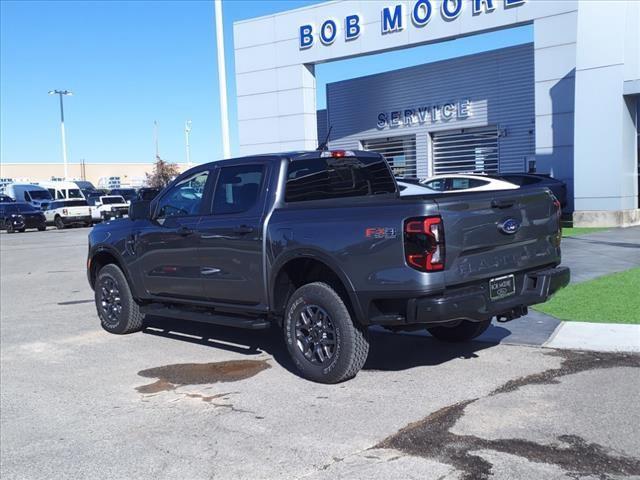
(321, 245)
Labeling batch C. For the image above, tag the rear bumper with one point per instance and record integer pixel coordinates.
(473, 302)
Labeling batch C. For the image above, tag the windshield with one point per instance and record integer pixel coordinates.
(111, 200)
(74, 193)
(40, 195)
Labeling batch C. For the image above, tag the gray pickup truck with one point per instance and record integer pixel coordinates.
(321, 245)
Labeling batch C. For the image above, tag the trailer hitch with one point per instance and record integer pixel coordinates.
(512, 314)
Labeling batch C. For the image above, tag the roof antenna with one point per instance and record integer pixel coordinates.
(323, 146)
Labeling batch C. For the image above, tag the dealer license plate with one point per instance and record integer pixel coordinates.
(502, 287)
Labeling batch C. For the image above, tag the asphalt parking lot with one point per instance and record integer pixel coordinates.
(193, 401)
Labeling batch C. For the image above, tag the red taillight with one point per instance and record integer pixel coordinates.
(424, 243)
(338, 153)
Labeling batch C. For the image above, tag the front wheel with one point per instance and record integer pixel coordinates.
(118, 311)
(59, 223)
(42, 228)
(22, 230)
(10, 228)
(325, 343)
(462, 332)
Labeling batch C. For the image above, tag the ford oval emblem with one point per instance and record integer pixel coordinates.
(509, 226)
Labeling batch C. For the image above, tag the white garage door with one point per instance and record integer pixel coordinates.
(467, 150)
(399, 151)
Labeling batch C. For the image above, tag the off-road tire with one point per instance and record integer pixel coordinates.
(59, 223)
(10, 228)
(463, 332)
(351, 338)
(22, 230)
(130, 318)
(42, 228)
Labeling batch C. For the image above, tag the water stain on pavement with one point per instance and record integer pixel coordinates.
(431, 437)
(172, 376)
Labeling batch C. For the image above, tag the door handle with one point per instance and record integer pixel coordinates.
(501, 203)
(243, 229)
(185, 231)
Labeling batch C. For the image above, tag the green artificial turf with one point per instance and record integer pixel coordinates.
(572, 232)
(611, 298)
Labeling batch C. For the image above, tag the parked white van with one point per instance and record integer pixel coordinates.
(35, 195)
(62, 190)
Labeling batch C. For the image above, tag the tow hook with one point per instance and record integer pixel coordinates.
(512, 314)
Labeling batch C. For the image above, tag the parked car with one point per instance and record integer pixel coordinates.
(18, 216)
(5, 198)
(320, 244)
(526, 180)
(408, 188)
(129, 194)
(147, 193)
(63, 213)
(466, 183)
(35, 195)
(110, 206)
(61, 190)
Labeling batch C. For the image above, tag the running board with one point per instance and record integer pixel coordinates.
(227, 320)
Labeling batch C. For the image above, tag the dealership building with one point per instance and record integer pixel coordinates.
(566, 104)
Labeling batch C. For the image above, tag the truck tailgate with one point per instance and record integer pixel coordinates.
(489, 234)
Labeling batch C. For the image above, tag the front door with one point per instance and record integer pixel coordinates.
(231, 236)
(167, 247)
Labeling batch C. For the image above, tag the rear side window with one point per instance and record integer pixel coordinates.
(464, 183)
(237, 189)
(74, 203)
(324, 178)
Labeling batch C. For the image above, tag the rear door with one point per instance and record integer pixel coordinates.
(231, 235)
(166, 247)
(489, 234)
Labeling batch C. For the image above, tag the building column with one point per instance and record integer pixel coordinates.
(605, 173)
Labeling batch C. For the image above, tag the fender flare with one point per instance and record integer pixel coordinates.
(323, 258)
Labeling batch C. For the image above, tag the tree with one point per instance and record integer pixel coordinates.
(163, 173)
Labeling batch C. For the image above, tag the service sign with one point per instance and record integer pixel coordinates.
(425, 114)
(393, 19)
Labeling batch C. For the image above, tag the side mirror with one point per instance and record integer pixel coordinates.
(140, 210)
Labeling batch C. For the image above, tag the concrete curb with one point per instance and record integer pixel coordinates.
(601, 337)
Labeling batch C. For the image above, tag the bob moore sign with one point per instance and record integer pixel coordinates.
(445, 112)
(393, 19)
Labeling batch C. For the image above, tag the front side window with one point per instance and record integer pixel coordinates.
(184, 198)
(436, 185)
(237, 189)
(74, 193)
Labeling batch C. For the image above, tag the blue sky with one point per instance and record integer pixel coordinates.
(130, 63)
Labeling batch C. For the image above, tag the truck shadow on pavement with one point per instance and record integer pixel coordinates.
(387, 352)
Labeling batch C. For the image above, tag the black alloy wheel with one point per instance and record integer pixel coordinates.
(110, 302)
(315, 334)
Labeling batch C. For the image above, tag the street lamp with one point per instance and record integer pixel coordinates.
(187, 132)
(62, 93)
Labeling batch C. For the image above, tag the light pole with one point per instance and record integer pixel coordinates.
(222, 80)
(62, 93)
(187, 132)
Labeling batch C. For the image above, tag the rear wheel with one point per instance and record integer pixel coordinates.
(118, 311)
(462, 332)
(59, 223)
(326, 345)
(10, 228)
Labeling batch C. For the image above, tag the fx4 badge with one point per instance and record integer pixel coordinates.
(381, 232)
